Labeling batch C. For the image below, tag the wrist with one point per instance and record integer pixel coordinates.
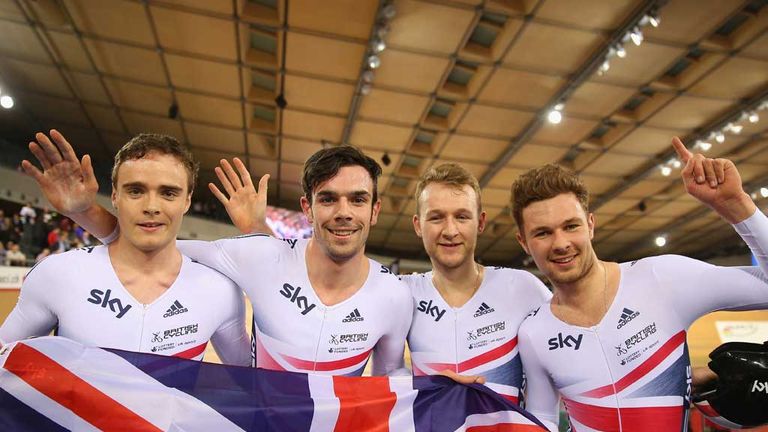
(736, 209)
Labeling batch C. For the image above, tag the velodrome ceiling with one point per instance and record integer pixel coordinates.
(470, 81)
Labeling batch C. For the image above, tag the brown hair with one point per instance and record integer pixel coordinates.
(326, 163)
(142, 144)
(543, 183)
(451, 174)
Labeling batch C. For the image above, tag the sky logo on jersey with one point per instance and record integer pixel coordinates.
(627, 315)
(175, 309)
(292, 294)
(430, 310)
(483, 309)
(353, 316)
(101, 298)
(568, 341)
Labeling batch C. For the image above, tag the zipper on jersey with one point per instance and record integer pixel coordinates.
(141, 335)
(455, 340)
(319, 340)
(613, 381)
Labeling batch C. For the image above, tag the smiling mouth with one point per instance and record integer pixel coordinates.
(565, 260)
(150, 225)
(342, 232)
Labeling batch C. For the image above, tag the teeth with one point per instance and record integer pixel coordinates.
(563, 260)
(342, 233)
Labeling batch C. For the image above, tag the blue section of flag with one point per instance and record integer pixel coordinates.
(252, 399)
(441, 405)
(24, 418)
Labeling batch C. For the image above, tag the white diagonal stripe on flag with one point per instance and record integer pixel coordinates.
(401, 417)
(326, 406)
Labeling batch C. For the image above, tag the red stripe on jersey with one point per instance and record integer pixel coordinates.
(264, 360)
(633, 419)
(72, 392)
(480, 360)
(417, 371)
(192, 352)
(308, 365)
(363, 405)
(640, 371)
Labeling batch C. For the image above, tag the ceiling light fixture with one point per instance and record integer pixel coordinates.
(636, 36)
(6, 101)
(665, 170)
(764, 192)
(660, 241)
(719, 137)
(753, 117)
(374, 61)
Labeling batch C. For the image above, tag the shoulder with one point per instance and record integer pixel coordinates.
(520, 282)
(70, 260)
(662, 262)
(416, 281)
(536, 321)
(202, 275)
(388, 283)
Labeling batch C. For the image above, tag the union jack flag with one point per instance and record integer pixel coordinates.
(53, 384)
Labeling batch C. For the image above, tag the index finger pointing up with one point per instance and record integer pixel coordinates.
(682, 152)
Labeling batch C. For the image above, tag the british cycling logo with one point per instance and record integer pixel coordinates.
(567, 341)
(483, 309)
(433, 311)
(627, 315)
(292, 294)
(348, 338)
(102, 299)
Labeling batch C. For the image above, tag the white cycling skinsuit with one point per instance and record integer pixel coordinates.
(480, 337)
(293, 330)
(79, 294)
(631, 372)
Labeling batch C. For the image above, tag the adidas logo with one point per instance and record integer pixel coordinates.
(353, 316)
(175, 309)
(627, 315)
(484, 309)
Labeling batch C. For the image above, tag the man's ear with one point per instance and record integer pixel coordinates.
(591, 225)
(416, 225)
(306, 208)
(482, 220)
(521, 240)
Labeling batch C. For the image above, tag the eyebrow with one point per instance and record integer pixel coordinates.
(565, 222)
(328, 193)
(143, 185)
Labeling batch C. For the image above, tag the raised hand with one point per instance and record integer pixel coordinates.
(68, 183)
(246, 206)
(714, 182)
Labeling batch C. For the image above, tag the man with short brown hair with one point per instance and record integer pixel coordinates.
(611, 341)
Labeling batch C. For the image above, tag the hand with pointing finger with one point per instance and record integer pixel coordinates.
(68, 183)
(716, 183)
(246, 206)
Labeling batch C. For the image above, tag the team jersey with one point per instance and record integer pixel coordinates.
(480, 337)
(292, 329)
(631, 371)
(79, 294)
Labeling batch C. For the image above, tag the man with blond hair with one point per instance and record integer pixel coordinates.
(466, 315)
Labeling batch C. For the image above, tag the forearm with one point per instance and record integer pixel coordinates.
(96, 220)
(754, 231)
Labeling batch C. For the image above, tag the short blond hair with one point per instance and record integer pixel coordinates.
(451, 174)
(543, 183)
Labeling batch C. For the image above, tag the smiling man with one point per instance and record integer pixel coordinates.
(320, 305)
(139, 293)
(612, 341)
(466, 315)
